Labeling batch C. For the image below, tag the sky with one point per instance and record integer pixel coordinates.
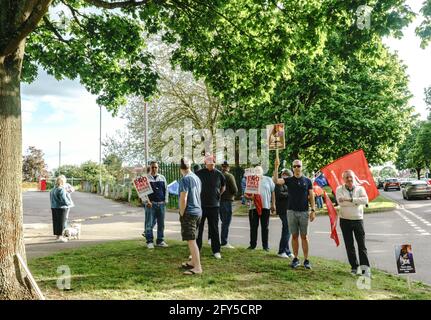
(64, 111)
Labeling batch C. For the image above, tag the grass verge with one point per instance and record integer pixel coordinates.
(127, 270)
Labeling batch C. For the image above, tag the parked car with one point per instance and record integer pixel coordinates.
(417, 189)
(404, 182)
(391, 183)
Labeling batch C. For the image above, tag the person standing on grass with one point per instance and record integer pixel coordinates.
(213, 185)
(261, 205)
(155, 205)
(59, 206)
(300, 191)
(226, 201)
(190, 214)
(352, 199)
(281, 200)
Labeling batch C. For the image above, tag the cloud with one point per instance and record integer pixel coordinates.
(64, 111)
(28, 107)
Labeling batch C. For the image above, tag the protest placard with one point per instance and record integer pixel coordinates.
(143, 186)
(252, 181)
(276, 138)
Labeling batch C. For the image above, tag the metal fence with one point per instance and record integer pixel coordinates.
(125, 191)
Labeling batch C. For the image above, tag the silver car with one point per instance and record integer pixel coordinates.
(416, 189)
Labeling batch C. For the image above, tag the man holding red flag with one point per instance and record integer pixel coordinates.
(345, 173)
(352, 199)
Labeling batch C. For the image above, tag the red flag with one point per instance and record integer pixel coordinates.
(356, 162)
(332, 218)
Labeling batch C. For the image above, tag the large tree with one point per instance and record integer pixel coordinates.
(241, 48)
(334, 104)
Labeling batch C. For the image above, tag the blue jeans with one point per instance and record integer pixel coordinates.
(153, 215)
(285, 235)
(319, 202)
(226, 218)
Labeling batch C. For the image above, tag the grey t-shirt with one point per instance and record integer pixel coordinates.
(191, 184)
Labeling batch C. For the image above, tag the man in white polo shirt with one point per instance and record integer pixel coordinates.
(352, 199)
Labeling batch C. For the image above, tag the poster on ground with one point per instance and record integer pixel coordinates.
(143, 186)
(276, 137)
(404, 259)
(252, 181)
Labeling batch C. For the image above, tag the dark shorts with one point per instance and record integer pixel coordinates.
(189, 226)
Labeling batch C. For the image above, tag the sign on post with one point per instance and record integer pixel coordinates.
(404, 259)
(252, 181)
(143, 186)
(276, 137)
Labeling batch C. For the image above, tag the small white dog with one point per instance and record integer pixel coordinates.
(73, 231)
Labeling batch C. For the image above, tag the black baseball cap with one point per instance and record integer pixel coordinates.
(225, 163)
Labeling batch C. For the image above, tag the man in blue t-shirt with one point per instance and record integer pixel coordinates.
(190, 214)
(300, 190)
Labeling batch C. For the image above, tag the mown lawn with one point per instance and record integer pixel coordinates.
(127, 270)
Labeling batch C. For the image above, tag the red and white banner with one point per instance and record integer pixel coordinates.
(252, 181)
(356, 162)
(143, 186)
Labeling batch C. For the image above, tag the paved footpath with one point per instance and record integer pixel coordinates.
(409, 224)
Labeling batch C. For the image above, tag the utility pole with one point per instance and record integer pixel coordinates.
(146, 135)
(59, 157)
(100, 148)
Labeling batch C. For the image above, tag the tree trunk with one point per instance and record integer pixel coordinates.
(418, 171)
(12, 283)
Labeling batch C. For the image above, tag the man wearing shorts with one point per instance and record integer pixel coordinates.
(190, 214)
(300, 190)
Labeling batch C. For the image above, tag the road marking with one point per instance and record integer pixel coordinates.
(424, 221)
(418, 229)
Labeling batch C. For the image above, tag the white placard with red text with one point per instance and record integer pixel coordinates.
(143, 186)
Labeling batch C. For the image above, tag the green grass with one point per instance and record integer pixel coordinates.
(127, 270)
(380, 204)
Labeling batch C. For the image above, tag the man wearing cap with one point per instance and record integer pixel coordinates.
(301, 193)
(226, 204)
(213, 186)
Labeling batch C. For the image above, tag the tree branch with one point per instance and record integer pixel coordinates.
(114, 5)
(39, 10)
(53, 29)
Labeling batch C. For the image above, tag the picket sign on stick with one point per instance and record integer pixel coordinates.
(30, 277)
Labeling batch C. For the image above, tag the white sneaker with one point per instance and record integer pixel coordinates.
(209, 241)
(367, 272)
(228, 246)
(150, 245)
(283, 255)
(162, 245)
(291, 256)
(217, 255)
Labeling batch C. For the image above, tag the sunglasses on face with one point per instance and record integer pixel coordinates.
(297, 166)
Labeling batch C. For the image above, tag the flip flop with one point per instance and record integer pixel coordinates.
(190, 272)
(187, 265)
